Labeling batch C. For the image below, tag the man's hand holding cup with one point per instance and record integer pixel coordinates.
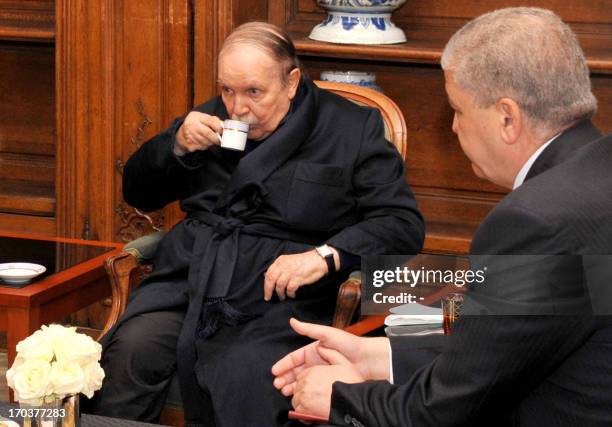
(200, 131)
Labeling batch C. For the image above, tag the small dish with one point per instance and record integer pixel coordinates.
(4, 422)
(18, 273)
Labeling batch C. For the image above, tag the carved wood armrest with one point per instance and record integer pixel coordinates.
(349, 296)
(122, 272)
(120, 269)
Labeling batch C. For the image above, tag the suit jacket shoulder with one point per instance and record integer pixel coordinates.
(563, 209)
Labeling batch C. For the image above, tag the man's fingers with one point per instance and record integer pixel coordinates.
(213, 122)
(269, 282)
(211, 137)
(196, 137)
(290, 362)
(281, 283)
(333, 357)
(292, 287)
(314, 331)
(288, 390)
(288, 377)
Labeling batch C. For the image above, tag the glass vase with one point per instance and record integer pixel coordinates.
(54, 413)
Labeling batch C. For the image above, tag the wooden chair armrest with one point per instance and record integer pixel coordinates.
(120, 269)
(349, 296)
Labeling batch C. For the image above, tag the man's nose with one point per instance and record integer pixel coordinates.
(241, 106)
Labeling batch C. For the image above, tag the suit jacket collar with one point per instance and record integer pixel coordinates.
(246, 182)
(563, 146)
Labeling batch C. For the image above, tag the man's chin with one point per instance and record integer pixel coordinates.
(257, 135)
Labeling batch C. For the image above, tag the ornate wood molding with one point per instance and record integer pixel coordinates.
(136, 224)
(144, 124)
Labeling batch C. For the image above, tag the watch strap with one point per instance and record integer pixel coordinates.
(331, 265)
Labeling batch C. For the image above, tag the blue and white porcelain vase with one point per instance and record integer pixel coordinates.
(359, 22)
(358, 78)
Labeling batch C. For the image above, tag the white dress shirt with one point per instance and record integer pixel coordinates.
(520, 177)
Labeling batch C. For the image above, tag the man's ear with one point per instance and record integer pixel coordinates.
(510, 119)
(293, 80)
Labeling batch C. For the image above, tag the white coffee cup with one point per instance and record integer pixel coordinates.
(234, 135)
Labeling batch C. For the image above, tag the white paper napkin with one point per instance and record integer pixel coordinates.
(414, 314)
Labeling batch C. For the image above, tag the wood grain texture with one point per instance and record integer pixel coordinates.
(27, 20)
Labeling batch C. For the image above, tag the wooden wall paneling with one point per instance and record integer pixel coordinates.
(602, 88)
(27, 127)
(27, 116)
(28, 224)
(251, 10)
(153, 85)
(27, 20)
(214, 20)
(124, 72)
(84, 116)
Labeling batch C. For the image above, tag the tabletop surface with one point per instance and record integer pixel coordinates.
(55, 254)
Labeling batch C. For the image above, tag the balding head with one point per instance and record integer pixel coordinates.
(271, 39)
(528, 55)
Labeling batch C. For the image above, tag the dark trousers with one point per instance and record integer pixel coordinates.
(139, 363)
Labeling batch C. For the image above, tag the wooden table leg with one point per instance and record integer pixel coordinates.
(21, 322)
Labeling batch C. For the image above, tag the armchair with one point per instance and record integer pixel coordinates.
(125, 268)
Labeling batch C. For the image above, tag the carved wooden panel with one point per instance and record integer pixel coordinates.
(119, 86)
(154, 85)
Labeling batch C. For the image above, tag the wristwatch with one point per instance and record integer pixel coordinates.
(326, 253)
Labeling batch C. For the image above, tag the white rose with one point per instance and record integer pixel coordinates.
(30, 379)
(67, 377)
(36, 346)
(94, 374)
(78, 348)
(58, 333)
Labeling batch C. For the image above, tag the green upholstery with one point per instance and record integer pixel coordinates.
(144, 247)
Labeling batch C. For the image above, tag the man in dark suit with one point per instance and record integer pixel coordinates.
(519, 85)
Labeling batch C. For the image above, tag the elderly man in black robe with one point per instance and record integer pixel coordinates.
(269, 233)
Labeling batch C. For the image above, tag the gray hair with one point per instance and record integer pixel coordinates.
(268, 37)
(528, 55)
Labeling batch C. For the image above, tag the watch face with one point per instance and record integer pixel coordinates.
(324, 251)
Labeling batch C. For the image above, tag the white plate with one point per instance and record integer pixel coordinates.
(16, 273)
(7, 423)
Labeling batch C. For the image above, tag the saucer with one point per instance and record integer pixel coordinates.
(17, 273)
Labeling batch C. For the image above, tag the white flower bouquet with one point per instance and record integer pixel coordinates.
(55, 362)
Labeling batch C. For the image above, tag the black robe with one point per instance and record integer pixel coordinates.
(326, 175)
